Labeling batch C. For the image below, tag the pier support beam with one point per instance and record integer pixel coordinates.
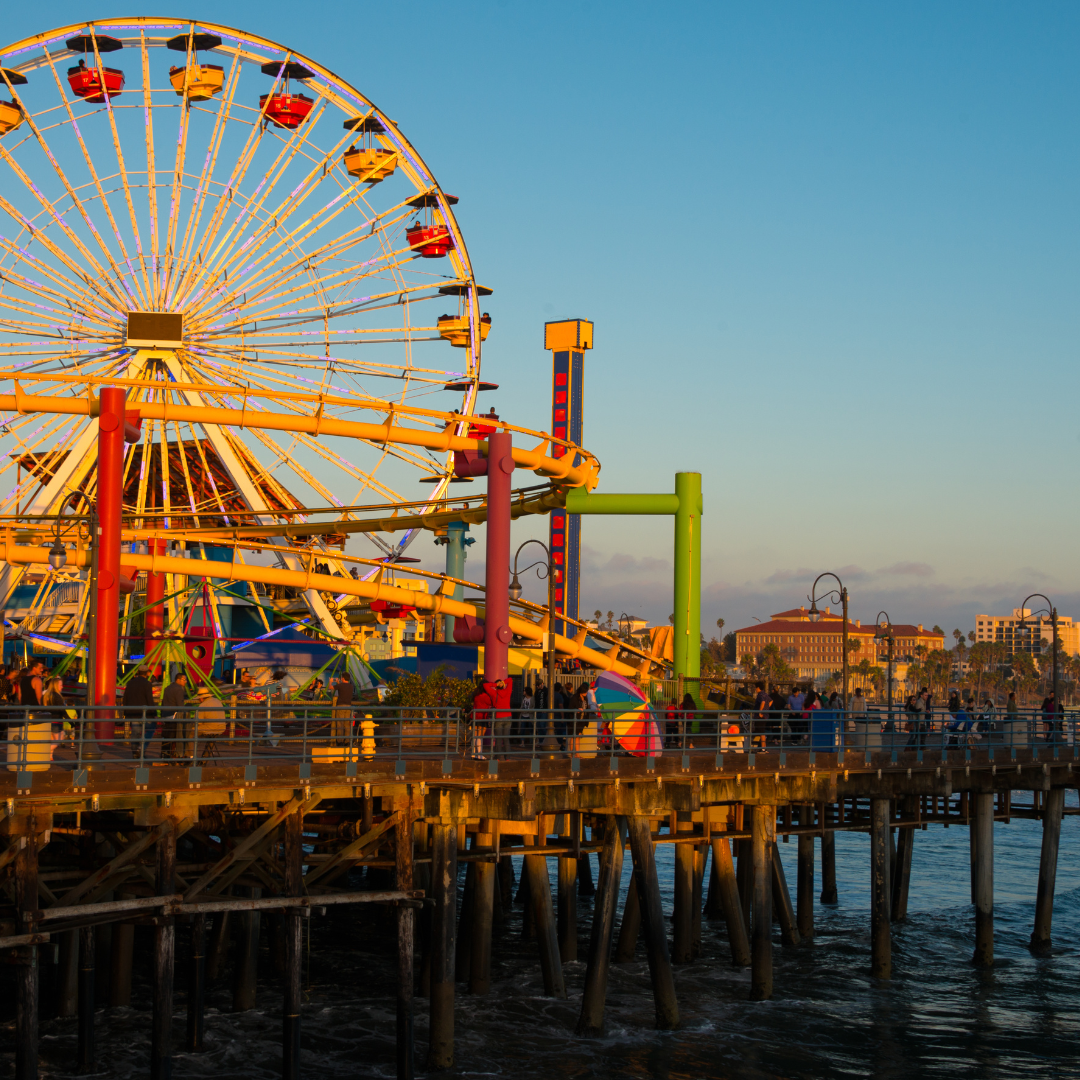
(983, 826)
(546, 936)
(682, 945)
(164, 961)
(403, 855)
(591, 1019)
(443, 926)
(804, 879)
(630, 928)
(763, 829)
(245, 976)
(293, 830)
(828, 867)
(901, 878)
(880, 894)
(121, 958)
(84, 1058)
(1044, 902)
(789, 932)
(26, 901)
(196, 995)
(653, 923)
(67, 988)
(482, 917)
(568, 894)
(729, 902)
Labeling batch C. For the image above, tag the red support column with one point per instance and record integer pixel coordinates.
(155, 609)
(497, 633)
(110, 467)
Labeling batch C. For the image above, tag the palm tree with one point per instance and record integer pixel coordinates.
(720, 626)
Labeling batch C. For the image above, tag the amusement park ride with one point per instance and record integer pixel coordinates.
(224, 277)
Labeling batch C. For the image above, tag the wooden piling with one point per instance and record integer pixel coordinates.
(403, 859)
(567, 913)
(546, 934)
(880, 894)
(463, 968)
(901, 880)
(713, 908)
(481, 918)
(789, 931)
(84, 1056)
(591, 1018)
(1048, 857)
(763, 829)
(506, 883)
(443, 926)
(701, 857)
(584, 876)
(292, 930)
(196, 995)
(804, 877)
(630, 928)
(728, 898)
(164, 961)
(26, 904)
(653, 923)
(744, 875)
(828, 867)
(983, 828)
(219, 943)
(67, 977)
(245, 974)
(121, 959)
(682, 945)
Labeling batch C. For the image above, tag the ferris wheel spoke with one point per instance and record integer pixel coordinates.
(70, 291)
(69, 188)
(151, 160)
(139, 286)
(202, 192)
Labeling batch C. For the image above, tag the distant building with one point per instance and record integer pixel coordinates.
(815, 649)
(1006, 630)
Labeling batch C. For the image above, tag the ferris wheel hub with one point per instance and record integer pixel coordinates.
(155, 329)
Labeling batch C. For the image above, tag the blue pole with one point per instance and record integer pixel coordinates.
(456, 542)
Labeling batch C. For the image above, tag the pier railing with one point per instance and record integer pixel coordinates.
(278, 731)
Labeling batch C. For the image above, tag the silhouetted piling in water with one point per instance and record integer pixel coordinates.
(880, 893)
(1048, 857)
(763, 839)
(982, 828)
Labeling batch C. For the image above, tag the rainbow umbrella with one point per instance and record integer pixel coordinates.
(626, 709)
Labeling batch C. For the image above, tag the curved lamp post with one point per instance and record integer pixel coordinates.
(885, 633)
(547, 570)
(1052, 612)
(841, 594)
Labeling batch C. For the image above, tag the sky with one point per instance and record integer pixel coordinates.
(830, 251)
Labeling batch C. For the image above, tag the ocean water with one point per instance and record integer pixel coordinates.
(939, 1016)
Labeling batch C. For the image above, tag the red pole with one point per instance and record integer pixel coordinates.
(110, 467)
(497, 633)
(155, 608)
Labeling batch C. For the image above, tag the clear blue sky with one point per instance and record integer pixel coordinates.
(831, 254)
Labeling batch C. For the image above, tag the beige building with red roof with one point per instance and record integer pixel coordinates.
(815, 649)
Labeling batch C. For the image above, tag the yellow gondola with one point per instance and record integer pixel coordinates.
(10, 116)
(455, 329)
(370, 165)
(203, 81)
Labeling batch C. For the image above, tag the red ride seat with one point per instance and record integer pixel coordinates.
(86, 83)
(287, 110)
(430, 241)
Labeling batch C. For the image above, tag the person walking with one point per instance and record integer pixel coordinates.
(173, 706)
(342, 723)
(139, 707)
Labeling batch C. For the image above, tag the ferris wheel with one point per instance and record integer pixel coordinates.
(209, 218)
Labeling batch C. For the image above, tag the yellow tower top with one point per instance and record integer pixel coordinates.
(568, 334)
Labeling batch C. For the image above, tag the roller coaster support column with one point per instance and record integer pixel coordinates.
(110, 490)
(497, 633)
(686, 507)
(456, 542)
(155, 607)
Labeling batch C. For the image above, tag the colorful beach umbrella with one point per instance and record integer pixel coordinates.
(626, 710)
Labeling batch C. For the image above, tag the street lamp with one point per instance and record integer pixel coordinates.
(1052, 612)
(886, 634)
(545, 570)
(815, 616)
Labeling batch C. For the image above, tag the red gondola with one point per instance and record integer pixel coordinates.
(287, 110)
(388, 610)
(431, 241)
(86, 82)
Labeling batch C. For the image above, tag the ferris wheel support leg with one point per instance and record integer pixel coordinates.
(497, 633)
(107, 601)
(155, 604)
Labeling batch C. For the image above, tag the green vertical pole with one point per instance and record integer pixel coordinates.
(687, 645)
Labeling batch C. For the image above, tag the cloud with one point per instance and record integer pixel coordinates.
(909, 569)
(782, 577)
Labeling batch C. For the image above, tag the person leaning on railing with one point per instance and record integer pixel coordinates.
(139, 705)
(173, 710)
(343, 710)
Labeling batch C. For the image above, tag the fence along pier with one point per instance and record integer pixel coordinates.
(221, 844)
